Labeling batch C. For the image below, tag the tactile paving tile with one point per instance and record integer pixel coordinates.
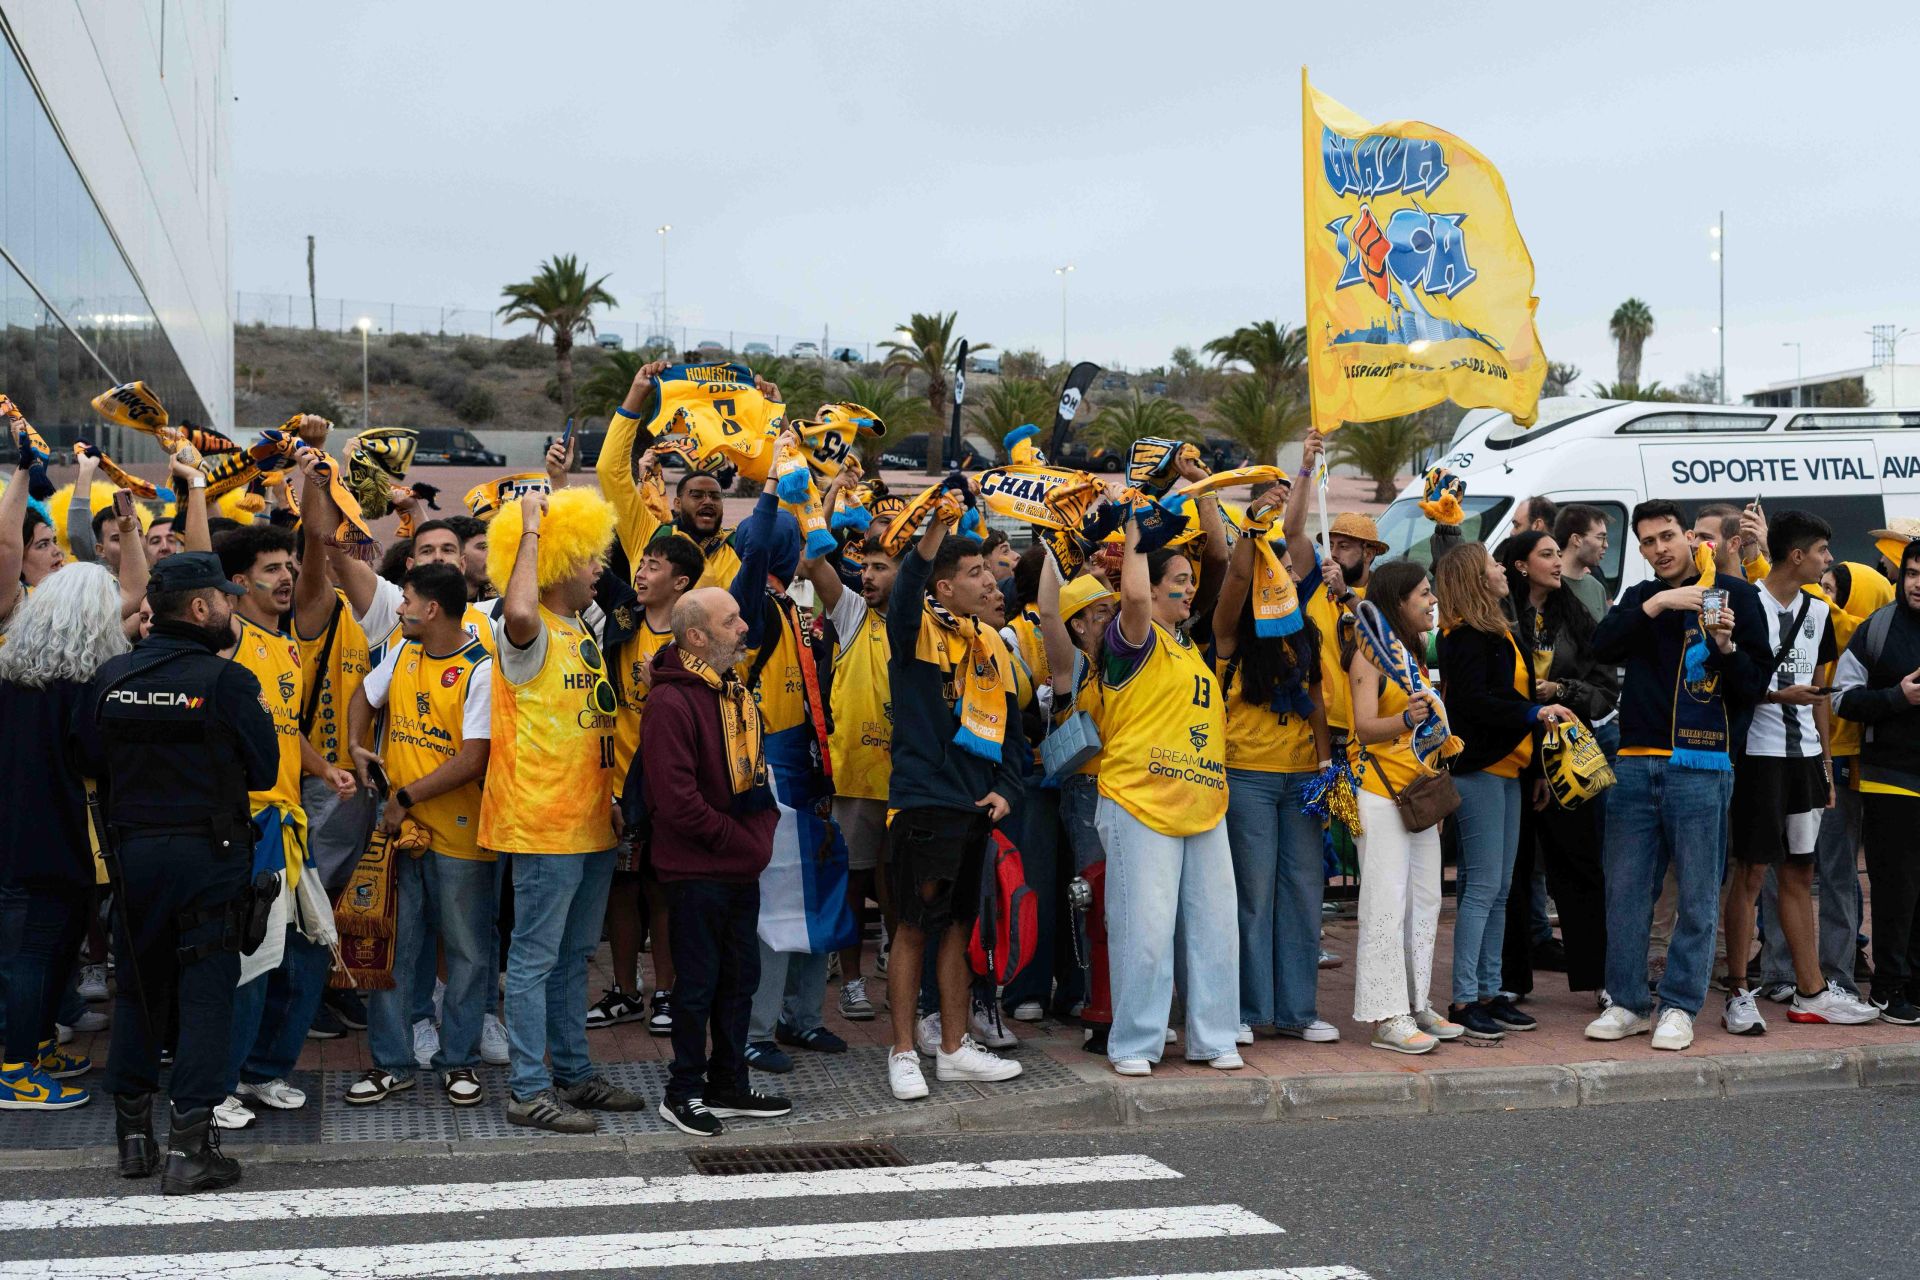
(289, 1127)
(84, 1126)
(421, 1113)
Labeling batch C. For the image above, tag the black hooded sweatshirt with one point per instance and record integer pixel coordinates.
(1867, 681)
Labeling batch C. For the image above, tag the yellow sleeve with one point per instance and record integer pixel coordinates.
(634, 522)
(1756, 568)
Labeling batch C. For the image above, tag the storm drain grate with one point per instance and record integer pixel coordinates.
(800, 1158)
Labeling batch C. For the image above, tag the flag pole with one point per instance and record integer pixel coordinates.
(1306, 280)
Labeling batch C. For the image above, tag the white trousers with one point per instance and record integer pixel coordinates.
(1399, 912)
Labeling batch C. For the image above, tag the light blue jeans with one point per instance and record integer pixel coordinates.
(1658, 814)
(559, 903)
(1280, 877)
(1489, 825)
(272, 1013)
(469, 898)
(793, 986)
(1170, 905)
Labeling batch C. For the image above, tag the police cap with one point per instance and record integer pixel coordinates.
(190, 571)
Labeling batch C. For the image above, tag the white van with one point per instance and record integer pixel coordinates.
(1855, 468)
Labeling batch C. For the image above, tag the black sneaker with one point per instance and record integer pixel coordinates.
(691, 1115)
(614, 1008)
(746, 1102)
(1900, 1011)
(1509, 1018)
(660, 1021)
(346, 1006)
(1477, 1019)
(326, 1025)
(597, 1093)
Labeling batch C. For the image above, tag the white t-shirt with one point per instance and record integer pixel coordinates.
(1785, 731)
(476, 716)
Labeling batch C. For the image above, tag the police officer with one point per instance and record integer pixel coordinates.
(176, 736)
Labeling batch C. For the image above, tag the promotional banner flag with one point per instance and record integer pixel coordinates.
(1079, 378)
(1419, 287)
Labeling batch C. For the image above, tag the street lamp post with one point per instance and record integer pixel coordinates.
(1798, 372)
(366, 400)
(1062, 273)
(1719, 234)
(661, 231)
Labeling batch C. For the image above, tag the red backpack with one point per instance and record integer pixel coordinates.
(1008, 928)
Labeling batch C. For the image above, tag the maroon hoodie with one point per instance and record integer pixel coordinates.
(701, 829)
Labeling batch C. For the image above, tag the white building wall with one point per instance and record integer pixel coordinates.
(141, 90)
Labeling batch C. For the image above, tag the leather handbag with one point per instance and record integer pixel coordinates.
(1425, 802)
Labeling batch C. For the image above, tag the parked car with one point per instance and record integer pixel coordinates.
(608, 341)
(1080, 457)
(846, 355)
(1158, 387)
(986, 364)
(1221, 453)
(1113, 381)
(909, 453)
(710, 351)
(804, 351)
(756, 349)
(454, 447)
(658, 341)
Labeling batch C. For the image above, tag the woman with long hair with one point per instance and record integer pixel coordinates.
(1399, 913)
(56, 640)
(1490, 692)
(1277, 742)
(1555, 630)
(1163, 799)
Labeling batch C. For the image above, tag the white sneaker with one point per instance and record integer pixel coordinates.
(971, 1062)
(1243, 1034)
(1401, 1034)
(426, 1043)
(1779, 992)
(1319, 1032)
(926, 1035)
(987, 1028)
(493, 1043)
(93, 983)
(233, 1114)
(1836, 1005)
(1028, 1011)
(1617, 1023)
(1429, 1021)
(1228, 1061)
(904, 1077)
(1173, 1037)
(90, 1020)
(63, 1033)
(277, 1094)
(1742, 1016)
(1132, 1067)
(1675, 1031)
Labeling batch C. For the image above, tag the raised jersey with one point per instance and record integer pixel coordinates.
(427, 705)
(275, 662)
(1163, 728)
(550, 777)
(726, 421)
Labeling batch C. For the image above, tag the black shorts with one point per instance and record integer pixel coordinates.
(1777, 803)
(942, 848)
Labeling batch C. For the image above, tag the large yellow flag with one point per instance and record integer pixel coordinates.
(1419, 288)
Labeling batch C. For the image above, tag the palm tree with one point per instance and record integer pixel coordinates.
(1276, 354)
(606, 386)
(558, 300)
(802, 383)
(1381, 450)
(927, 345)
(1118, 425)
(1260, 419)
(904, 414)
(1560, 377)
(1631, 326)
(1633, 391)
(1010, 403)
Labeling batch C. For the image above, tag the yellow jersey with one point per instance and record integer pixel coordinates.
(1086, 697)
(630, 665)
(1163, 727)
(1326, 615)
(1258, 737)
(781, 688)
(427, 719)
(550, 777)
(1031, 645)
(862, 702)
(339, 666)
(1395, 756)
(275, 662)
(719, 407)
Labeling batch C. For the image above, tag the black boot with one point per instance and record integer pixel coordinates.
(194, 1162)
(133, 1126)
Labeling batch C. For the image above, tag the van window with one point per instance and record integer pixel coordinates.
(1553, 416)
(1852, 421)
(466, 440)
(1657, 424)
(1409, 533)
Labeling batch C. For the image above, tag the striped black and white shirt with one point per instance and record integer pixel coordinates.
(1779, 730)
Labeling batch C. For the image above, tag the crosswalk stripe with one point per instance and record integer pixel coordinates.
(1263, 1273)
(738, 1246)
(491, 1197)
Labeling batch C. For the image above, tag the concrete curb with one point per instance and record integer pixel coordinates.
(1113, 1103)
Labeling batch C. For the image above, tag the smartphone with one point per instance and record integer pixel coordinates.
(122, 505)
(566, 436)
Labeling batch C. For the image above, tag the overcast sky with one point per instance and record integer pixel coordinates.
(846, 164)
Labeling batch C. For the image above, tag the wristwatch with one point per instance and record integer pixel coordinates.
(406, 801)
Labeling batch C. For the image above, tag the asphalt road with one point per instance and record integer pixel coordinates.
(1761, 1189)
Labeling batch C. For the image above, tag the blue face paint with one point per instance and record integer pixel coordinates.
(1176, 595)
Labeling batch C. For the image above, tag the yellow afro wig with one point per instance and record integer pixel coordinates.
(577, 529)
(101, 500)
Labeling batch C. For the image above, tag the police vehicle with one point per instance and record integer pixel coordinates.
(1855, 468)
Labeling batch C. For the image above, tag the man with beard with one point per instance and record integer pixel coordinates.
(1329, 586)
(698, 508)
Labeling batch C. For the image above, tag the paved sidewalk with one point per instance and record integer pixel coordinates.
(1064, 1087)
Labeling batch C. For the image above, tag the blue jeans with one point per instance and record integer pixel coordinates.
(1656, 815)
(13, 901)
(1489, 825)
(272, 1014)
(391, 1014)
(1280, 877)
(559, 902)
(790, 992)
(469, 897)
(1169, 905)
